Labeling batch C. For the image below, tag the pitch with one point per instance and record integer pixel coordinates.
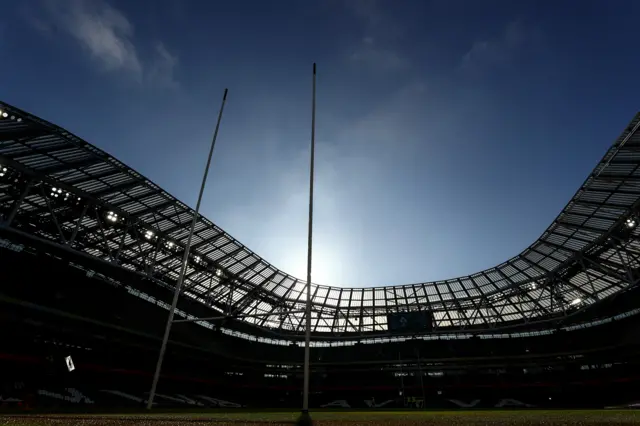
(351, 418)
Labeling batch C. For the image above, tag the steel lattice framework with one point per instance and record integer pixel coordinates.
(57, 187)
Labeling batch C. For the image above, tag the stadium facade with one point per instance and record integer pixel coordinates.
(90, 251)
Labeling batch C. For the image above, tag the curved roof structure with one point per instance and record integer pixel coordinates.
(58, 187)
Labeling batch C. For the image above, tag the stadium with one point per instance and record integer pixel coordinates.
(90, 251)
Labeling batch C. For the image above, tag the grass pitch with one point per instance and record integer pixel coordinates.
(337, 418)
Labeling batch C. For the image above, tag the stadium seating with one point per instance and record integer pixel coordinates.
(113, 339)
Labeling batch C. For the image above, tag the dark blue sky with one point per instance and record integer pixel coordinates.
(449, 133)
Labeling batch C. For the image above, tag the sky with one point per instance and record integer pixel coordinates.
(449, 133)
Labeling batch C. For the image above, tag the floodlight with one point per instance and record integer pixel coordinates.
(69, 363)
(55, 192)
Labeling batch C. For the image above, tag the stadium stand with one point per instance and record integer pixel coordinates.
(89, 253)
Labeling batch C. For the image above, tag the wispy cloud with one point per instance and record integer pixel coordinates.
(353, 162)
(377, 49)
(108, 36)
(369, 54)
(496, 51)
(161, 70)
(366, 10)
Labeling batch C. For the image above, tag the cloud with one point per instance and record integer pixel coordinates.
(107, 35)
(367, 11)
(377, 49)
(353, 162)
(104, 32)
(375, 20)
(370, 55)
(161, 71)
(498, 51)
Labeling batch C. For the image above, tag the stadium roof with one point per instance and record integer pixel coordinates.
(58, 187)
